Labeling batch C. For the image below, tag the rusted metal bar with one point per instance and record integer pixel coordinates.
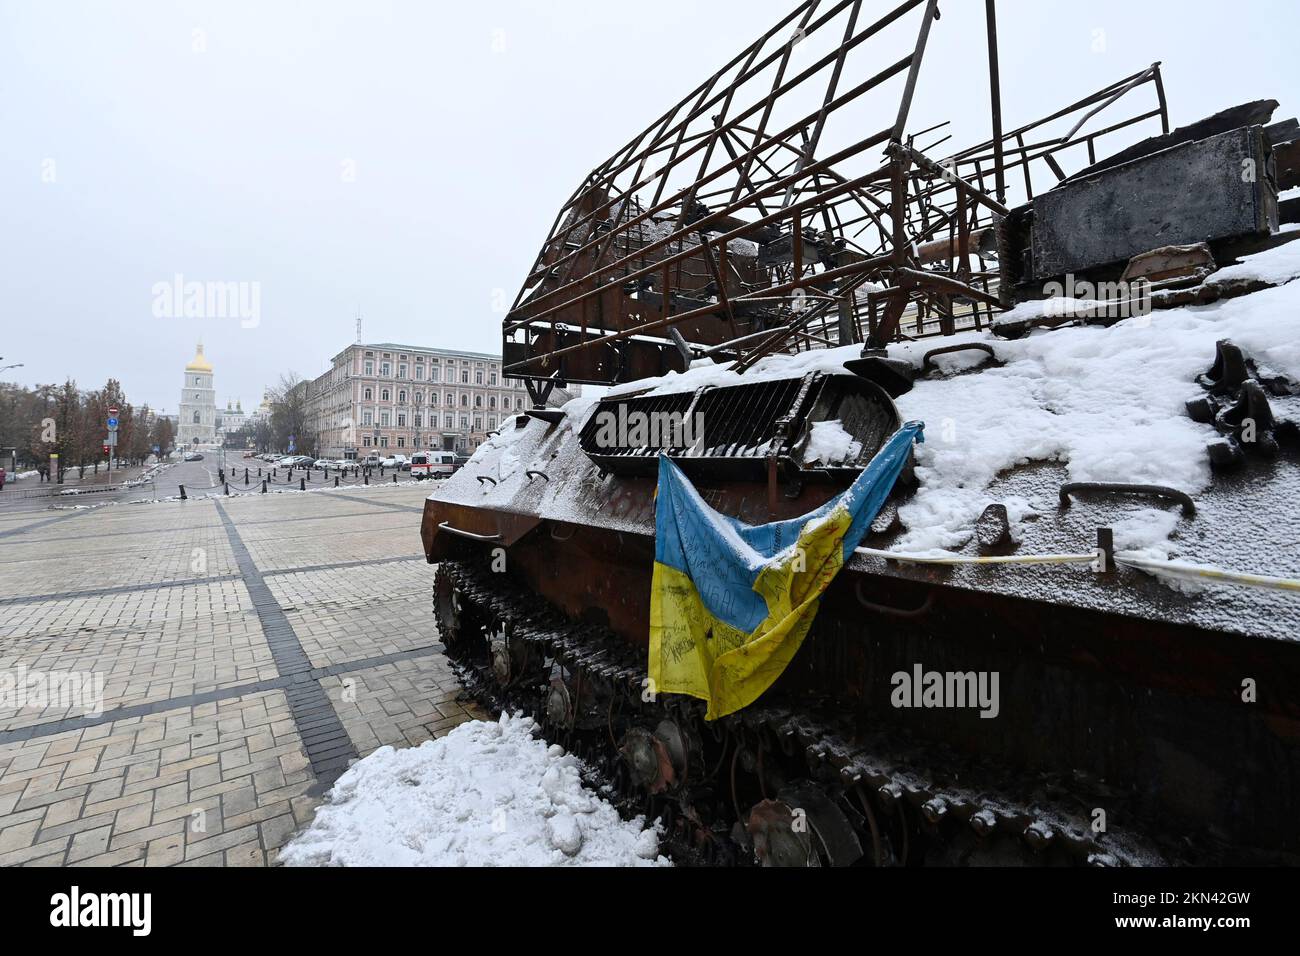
(995, 98)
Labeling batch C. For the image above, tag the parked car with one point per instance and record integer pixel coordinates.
(193, 456)
(2, 479)
(433, 464)
(372, 460)
(325, 463)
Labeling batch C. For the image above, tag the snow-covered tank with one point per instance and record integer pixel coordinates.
(1072, 633)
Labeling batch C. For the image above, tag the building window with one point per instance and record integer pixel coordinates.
(492, 422)
(418, 421)
(401, 397)
(385, 369)
(450, 399)
(464, 376)
(492, 379)
(370, 368)
(433, 398)
(433, 373)
(367, 418)
(419, 397)
(401, 443)
(366, 394)
(447, 421)
(383, 395)
(384, 419)
(196, 418)
(401, 420)
(478, 377)
(365, 441)
(492, 401)
(419, 373)
(478, 401)
(519, 403)
(401, 371)
(383, 442)
(464, 421)
(478, 424)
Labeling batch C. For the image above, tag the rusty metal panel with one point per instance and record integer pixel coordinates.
(1213, 188)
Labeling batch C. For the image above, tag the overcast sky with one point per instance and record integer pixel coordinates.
(409, 157)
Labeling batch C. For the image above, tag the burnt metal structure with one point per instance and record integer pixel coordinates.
(730, 231)
(727, 228)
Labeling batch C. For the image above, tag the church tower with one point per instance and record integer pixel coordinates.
(198, 414)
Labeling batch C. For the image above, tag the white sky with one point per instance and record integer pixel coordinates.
(227, 163)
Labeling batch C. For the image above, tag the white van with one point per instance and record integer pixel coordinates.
(433, 464)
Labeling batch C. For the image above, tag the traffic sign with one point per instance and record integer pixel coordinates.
(112, 411)
(112, 424)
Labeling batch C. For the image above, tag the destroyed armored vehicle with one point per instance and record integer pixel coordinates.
(1071, 633)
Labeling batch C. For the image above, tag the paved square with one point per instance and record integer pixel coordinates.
(234, 655)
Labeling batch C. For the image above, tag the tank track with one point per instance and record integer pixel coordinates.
(870, 799)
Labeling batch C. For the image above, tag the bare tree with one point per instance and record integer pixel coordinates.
(290, 415)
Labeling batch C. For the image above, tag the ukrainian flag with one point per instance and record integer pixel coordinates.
(730, 603)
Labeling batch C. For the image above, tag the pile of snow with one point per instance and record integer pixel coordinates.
(830, 444)
(487, 794)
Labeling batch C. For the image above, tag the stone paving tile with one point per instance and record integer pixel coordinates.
(144, 645)
(205, 782)
(401, 704)
(174, 786)
(356, 613)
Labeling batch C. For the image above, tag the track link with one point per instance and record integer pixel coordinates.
(871, 798)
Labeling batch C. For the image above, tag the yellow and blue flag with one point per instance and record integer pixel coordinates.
(730, 603)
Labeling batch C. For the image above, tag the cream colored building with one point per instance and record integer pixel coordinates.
(198, 411)
(392, 398)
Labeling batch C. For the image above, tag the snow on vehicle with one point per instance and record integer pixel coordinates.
(1077, 604)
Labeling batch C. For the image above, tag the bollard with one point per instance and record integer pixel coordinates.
(226, 485)
(309, 472)
(394, 477)
(259, 472)
(183, 495)
(336, 481)
(302, 484)
(327, 473)
(381, 471)
(367, 477)
(245, 477)
(264, 483)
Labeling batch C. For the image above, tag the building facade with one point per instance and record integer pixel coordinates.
(198, 410)
(397, 398)
(231, 421)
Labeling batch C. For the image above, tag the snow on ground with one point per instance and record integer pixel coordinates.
(487, 794)
(1106, 402)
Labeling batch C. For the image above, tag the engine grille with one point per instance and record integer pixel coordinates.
(731, 431)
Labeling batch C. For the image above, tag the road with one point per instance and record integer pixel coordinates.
(200, 478)
(221, 660)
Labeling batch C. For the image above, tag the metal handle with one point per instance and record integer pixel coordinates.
(533, 471)
(445, 526)
(927, 361)
(1122, 488)
(483, 478)
(904, 612)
